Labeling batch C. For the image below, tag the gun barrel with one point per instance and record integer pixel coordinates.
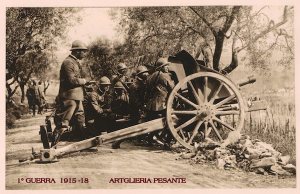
(249, 80)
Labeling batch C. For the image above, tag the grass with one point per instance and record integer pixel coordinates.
(276, 126)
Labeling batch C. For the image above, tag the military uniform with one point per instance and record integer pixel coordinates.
(98, 112)
(159, 85)
(70, 95)
(137, 98)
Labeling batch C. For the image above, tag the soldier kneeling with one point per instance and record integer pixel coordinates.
(97, 104)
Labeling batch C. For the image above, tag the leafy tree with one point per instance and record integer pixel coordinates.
(161, 31)
(25, 27)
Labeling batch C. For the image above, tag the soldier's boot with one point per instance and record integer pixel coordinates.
(57, 133)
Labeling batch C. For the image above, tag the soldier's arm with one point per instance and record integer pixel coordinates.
(95, 104)
(167, 81)
(68, 67)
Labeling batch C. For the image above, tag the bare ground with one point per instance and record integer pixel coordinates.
(128, 162)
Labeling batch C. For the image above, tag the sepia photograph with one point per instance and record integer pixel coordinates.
(150, 97)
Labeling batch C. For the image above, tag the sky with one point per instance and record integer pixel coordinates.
(96, 22)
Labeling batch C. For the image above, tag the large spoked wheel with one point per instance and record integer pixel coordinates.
(204, 105)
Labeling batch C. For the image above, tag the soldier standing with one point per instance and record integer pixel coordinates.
(42, 99)
(70, 94)
(30, 94)
(159, 86)
(137, 93)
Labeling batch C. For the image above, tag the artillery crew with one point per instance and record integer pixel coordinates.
(101, 106)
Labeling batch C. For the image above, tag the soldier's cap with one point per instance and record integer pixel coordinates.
(78, 45)
(161, 62)
(104, 81)
(119, 85)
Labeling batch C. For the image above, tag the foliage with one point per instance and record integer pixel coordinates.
(33, 28)
(166, 30)
(14, 112)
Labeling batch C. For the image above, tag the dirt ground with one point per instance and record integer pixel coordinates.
(100, 169)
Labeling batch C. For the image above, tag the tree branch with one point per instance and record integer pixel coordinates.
(205, 21)
(271, 27)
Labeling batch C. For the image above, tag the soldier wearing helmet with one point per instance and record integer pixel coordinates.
(70, 94)
(137, 93)
(97, 107)
(159, 85)
(120, 103)
(121, 76)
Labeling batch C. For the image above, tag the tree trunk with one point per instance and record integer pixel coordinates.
(219, 39)
(46, 86)
(22, 87)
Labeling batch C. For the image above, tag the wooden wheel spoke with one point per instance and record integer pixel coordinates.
(181, 132)
(185, 112)
(194, 92)
(229, 98)
(216, 92)
(205, 89)
(223, 123)
(186, 100)
(187, 123)
(207, 129)
(229, 112)
(215, 130)
(195, 131)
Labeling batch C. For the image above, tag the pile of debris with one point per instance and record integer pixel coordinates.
(250, 155)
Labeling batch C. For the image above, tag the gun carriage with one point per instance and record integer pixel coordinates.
(203, 104)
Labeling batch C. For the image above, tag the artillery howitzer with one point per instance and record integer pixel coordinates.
(203, 104)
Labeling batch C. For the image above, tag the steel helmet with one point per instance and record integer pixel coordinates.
(141, 69)
(119, 85)
(161, 62)
(78, 45)
(121, 66)
(104, 81)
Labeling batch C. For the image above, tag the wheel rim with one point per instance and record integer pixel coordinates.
(201, 106)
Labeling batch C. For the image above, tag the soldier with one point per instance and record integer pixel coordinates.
(120, 103)
(30, 97)
(159, 86)
(97, 108)
(70, 94)
(121, 74)
(137, 93)
(42, 99)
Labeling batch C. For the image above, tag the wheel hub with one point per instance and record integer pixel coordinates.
(206, 112)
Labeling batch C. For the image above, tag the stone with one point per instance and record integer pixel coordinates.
(284, 159)
(260, 171)
(278, 170)
(252, 151)
(263, 146)
(290, 168)
(233, 137)
(188, 155)
(243, 137)
(220, 163)
(264, 162)
(265, 154)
